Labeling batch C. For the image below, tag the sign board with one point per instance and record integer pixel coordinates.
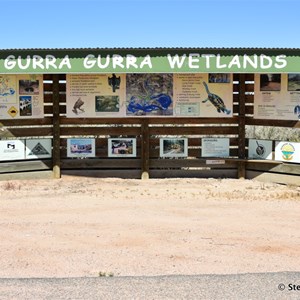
(146, 95)
(277, 96)
(287, 151)
(81, 147)
(38, 148)
(21, 96)
(12, 149)
(215, 147)
(260, 149)
(122, 147)
(215, 162)
(173, 147)
(138, 60)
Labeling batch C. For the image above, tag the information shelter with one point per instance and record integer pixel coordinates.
(148, 112)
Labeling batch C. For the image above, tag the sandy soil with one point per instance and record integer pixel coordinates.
(82, 226)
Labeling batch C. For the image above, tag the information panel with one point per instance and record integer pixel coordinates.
(215, 147)
(21, 96)
(12, 149)
(277, 96)
(260, 149)
(287, 151)
(146, 95)
(95, 95)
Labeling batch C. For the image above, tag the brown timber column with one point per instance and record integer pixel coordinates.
(242, 128)
(56, 128)
(145, 149)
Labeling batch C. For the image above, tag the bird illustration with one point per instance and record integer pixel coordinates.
(77, 106)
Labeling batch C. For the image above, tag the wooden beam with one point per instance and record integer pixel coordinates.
(95, 130)
(242, 130)
(197, 130)
(269, 122)
(101, 163)
(273, 177)
(25, 165)
(56, 128)
(224, 173)
(27, 122)
(26, 175)
(132, 174)
(145, 149)
(152, 120)
(27, 131)
(279, 167)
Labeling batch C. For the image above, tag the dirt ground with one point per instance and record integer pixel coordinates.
(78, 226)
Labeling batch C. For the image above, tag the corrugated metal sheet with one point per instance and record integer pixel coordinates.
(154, 49)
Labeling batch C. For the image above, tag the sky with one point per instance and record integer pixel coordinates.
(149, 23)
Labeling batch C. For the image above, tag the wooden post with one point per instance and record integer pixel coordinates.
(242, 128)
(56, 128)
(145, 149)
